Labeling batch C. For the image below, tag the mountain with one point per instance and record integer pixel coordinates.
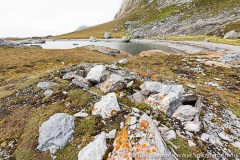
(81, 27)
(155, 18)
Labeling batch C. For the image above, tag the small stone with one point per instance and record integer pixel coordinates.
(170, 135)
(137, 97)
(191, 86)
(131, 120)
(81, 115)
(130, 84)
(111, 134)
(123, 61)
(136, 110)
(45, 85)
(81, 82)
(217, 79)
(114, 82)
(224, 136)
(48, 93)
(185, 113)
(205, 137)
(192, 126)
(133, 127)
(236, 144)
(191, 144)
(121, 125)
(64, 92)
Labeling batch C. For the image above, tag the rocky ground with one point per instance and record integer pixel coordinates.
(150, 106)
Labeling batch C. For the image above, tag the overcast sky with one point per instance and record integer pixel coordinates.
(21, 18)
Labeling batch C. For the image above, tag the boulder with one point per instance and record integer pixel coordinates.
(93, 39)
(231, 35)
(126, 39)
(185, 113)
(224, 136)
(94, 150)
(107, 107)
(96, 73)
(56, 132)
(81, 82)
(114, 82)
(143, 141)
(149, 87)
(107, 35)
(205, 137)
(161, 101)
(68, 76)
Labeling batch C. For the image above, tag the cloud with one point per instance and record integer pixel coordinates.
(39, 18)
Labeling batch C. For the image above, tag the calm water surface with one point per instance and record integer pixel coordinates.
(133, 48)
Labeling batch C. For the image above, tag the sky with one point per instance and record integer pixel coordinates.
(26, 18)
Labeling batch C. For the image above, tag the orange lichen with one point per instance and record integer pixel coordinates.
(148, 151)
(113, 112)
(121, 140)
(144, 145)
(154, 150)
(144, 124)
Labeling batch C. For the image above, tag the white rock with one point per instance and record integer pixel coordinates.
(191, 144)
(136, 110)
(224, 136)
(163, 130)
(185, 113)
(171, 135)
(161, 101)
(236, 144)
(94, 150)
(205, 137)
(131, 120)
(191, 86)
(111, 134)
(192, 126)
(96, 73)
(121, 125)
(133, 127)
(137, 97)
(157, 87)
(215, 140)
(231, 35)
(69, 75)
(123, 61)
(114, 82)
(45, 85)
(48, 93)
(81, 115)
(81, 82)
(217, 79)
(93, 39)
(107, 107)
(56, 132)
(130, 84)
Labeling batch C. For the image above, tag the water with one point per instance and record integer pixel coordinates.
(133, 47)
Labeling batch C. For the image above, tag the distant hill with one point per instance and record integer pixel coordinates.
(82, 27)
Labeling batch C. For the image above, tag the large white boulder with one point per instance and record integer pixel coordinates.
(185, 113)
(161, 101)
(114, 82)
(94, 150)
(96, 73)
(56, 132)
(144, 141)
(107, 107)
(149, 87)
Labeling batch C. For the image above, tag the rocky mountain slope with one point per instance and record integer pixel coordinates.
(153, 18)
(158, 18)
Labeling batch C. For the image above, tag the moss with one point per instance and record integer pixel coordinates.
(78, 98)
(143, 106)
